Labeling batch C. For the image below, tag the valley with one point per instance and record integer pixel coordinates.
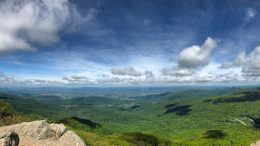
(210, 116)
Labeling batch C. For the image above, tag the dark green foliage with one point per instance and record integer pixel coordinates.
(140, 116)
(3, 96)
(141, 139)
(75, 121)
(214, 134)
(256, 122)
(179, 110)
(154, 96)
(248, 96)
(87, 122)
(9, 117)
(207, 100)
(130, 108)
(90, 100)
(28, 106)
(198, 93)
(171, 105)
(135, 106)
(5, 109)
(49, 98)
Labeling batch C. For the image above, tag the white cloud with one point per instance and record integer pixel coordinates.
(113, 80)
(76, 79)
(226, 65)
(25, 23)
(251, 13)
(197, 56)
(191, 60)
(208, 74)
(241, 58)
(11, 81)
(6, 79)
(205, 77)
(178, 72)
(227, 77)
(129, 71)
(149, 76)
(251, 63)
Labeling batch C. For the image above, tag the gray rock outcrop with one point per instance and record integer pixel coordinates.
(9, 139)
(40, 133)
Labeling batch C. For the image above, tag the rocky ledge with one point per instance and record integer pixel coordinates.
(38, 133)
(256, 144)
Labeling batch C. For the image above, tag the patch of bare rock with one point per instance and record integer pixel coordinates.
(38, 133)
(256, 143)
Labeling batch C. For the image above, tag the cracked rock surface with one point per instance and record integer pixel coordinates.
(38, 133)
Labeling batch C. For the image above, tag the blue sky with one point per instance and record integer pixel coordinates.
(115, 42)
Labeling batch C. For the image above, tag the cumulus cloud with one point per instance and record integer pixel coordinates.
(149, 76)
(39, 82)
(11, 81)
(197, 56)
(241, 58)
(205, 77)
(76, 79)
(113, 80)
(251, 63)
(25, 23)
(6, 79)
(226, 65)
(191, 59)
(124, 80)
(227, 77)
(208, 74)
(178, 72)
(146, 77)
(129, 71)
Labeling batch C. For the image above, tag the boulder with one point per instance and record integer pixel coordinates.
(9, 139)
(40, 133)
